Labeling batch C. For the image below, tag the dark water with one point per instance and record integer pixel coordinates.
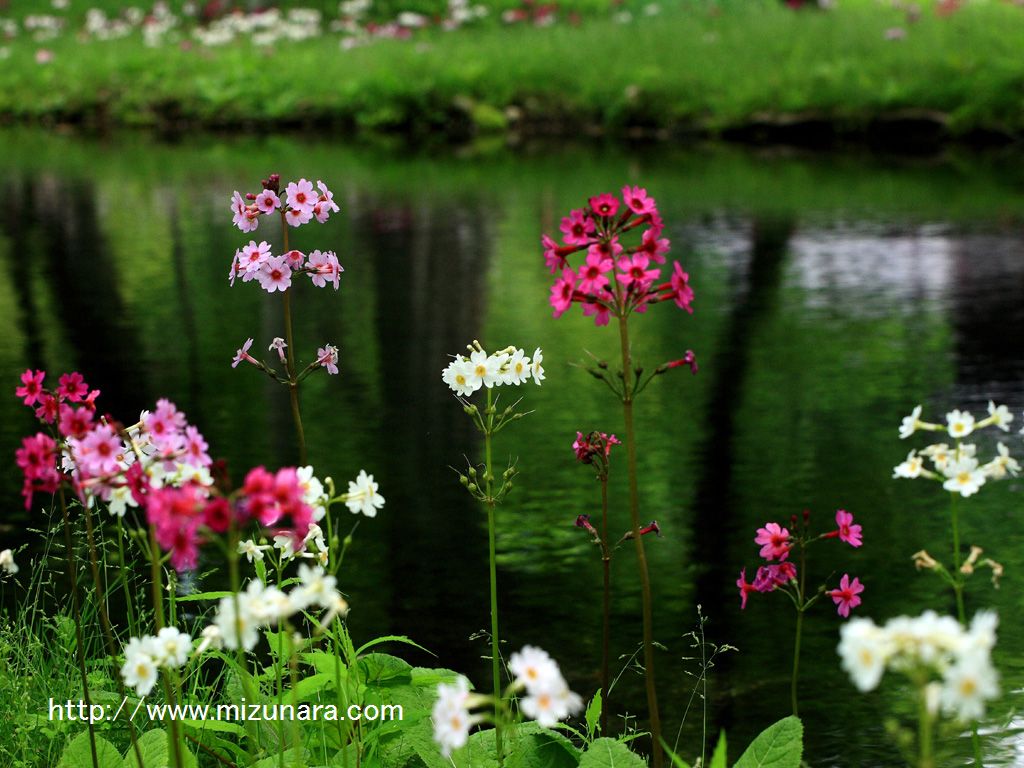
(833, 294)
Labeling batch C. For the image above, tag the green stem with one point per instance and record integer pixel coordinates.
(76, 608)
(251, 729)
(125, 585)
(492, 552)
(657, 752)
(801, 606)
(293, 383)
(606, 562)
(925, 736)
(158, 620)
(958, 590)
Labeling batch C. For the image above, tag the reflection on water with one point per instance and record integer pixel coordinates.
(832, 296)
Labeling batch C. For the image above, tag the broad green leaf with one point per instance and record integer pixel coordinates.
(153, 746)
(609, 753)
(324, 662)
(221, 726)
(293, 756)
(718, 758)
(310, 686)
(78, 753)
(381, 669)
(778, 746)
(593, 714)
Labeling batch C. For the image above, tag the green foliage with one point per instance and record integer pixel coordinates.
(718, 758)
(778, 746)
(78, 753)
(609, 753)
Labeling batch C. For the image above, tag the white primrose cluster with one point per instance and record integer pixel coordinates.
(143, 656)
(509, 366)
(7, 564)
(927, 646)
(547, 700)
(957, 466)
(264, 605)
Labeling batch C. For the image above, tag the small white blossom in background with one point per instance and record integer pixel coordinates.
(548, 698)
(362, 495)
(451, 717)
(145, 656)
(509, 366)
(935, 645)
(7, 563)
(957, 467)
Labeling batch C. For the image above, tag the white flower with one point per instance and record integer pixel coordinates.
(533, 667)
(939, 454)
(538, 369)
(864, 651)
(910, 468)
(241, 631)
(517, 369)
(457, 377)
(967, 685)
(1002, 464)
(362, 495)
(286, 543)
(959, 423)
(312, 492)
(7, 562)
(550, 703)
(173, 647)
(964, 477)
(120, 499)
(140, 668)
(316, 588)
(211, 638)
(451, 717)
(999, 416)
(251, 550)
(909, 424)
(485, 369)
(982, 633)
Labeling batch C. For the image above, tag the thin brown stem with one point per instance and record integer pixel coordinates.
(606, 562)
(293, 382)
(657, 752)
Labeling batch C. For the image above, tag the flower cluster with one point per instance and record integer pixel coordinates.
(547, 699)
(274, 273)
(615, 278)
(261, 605)
(777, 543)
(300, 206)
(594, 446)
(509, 366)
(924, 648)
(957, 466)
(7, 564)
(144, 656)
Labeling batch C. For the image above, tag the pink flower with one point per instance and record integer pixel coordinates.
(99, 452)
(279, 344)
(31, 388)
(165, 427)
(275, 275)
(49, 408)
(682, 293)
(653, 246)
(593, 273)
(37, 460)
(252, 257)
(775, 541)
(176, 515)
(745, 588)
(301, 197)
(634, 273)
(847, 531)
(562, 292)
(769, 577)
(296, 217)
(325, 205)
(577, 228)
(592, 445)
(847, 596)
(324, 268)
(75, 422)
(195, 448)
(328, 358)
(607, 249)
(72, 387)
(244, 218)
(601, 313)
(604, 205)
(554, 255)
(243, 354)
(270, 498)
(267, 201)
(689, 359)
(294, 259)
(637, 200)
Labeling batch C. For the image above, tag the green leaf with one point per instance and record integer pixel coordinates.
(609, 753)
(310, 686)
(380, 669)
(718, 758)
(203, 596)
(325, 663)
(593, 714)
(156, 752)
(677, 761)
(291, 757)
(778, 746)
(78, 753)
(221, 726)
(390, 639)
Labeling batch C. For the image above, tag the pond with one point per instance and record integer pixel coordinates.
(833, 293)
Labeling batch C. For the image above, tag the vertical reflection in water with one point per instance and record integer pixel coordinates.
(16, 214)
(187, 313)
(713, 523)
(431, 302)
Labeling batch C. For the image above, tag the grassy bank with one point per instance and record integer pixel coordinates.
(747, 69)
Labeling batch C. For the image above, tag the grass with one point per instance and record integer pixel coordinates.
(687, 69)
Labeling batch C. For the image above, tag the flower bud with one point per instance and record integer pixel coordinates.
(464, 480)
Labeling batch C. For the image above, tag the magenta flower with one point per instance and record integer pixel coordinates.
(577, 228)
(583, 521)
(328, 358)
(275, 275)
(252, 257)
(243, 354)
(604, 205)
(99, 452)
(325, 204)
(37, 459)
(267, 201)
(654, 247)
(31, 388)
(602, 314)
(745, 588)
(769, 577)
(324, 268)
(562, 292)
(592, 445)
(49, 408)
(195, 448)
(637, 200)
(774, 540)
(176, 515)
(847, 596)
(606, 249)
(593, 273)
(75, 422)
(634, 273)
(682, 293)
(72, 387)
(301, 196)
(245, 218)
(848, 532)
(269, 498)
(689, 359)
